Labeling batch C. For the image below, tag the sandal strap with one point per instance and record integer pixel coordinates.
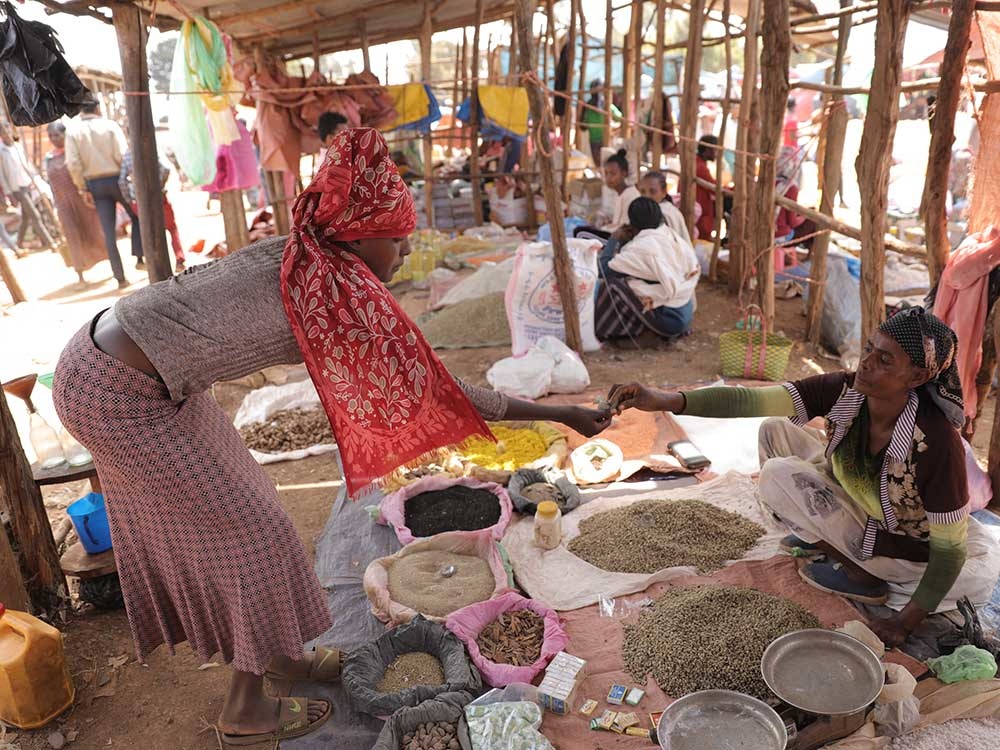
(326, 663)
(293, 714)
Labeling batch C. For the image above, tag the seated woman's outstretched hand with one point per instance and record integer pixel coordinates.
(588, 422)
(638, 396)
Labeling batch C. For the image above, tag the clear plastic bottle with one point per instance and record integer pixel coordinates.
(46, 443)
(548, 525)
(76, 454)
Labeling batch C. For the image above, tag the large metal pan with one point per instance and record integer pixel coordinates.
(823, 672)
(721, 720)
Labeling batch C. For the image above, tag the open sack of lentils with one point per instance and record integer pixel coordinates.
(711, 637)
(509, 638)
(435, 505)
(407, 666)
(652, 535)
(435, 576)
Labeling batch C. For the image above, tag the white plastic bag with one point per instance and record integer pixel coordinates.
(570, 374)
(534, 307)
(260, 404)
(529, 376)
(980, 489)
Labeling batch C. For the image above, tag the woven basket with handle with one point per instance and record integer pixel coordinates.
(754, 355)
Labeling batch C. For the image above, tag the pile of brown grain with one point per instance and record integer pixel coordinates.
(436, 583)
(513, 638)
(409, 670)
(709, 638)
(651, 535)
(433, 735)
(288, 430)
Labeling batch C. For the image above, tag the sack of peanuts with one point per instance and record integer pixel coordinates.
(422, 727)
(509, 638)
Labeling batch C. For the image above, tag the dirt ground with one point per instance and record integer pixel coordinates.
(167, 703)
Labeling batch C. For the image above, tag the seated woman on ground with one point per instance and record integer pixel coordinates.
(886, 501)
(615, 174)
(207, 555)
(654, 185)
(648, 277)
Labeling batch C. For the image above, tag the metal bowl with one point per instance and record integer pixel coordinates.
(721, 720)
(823, 672)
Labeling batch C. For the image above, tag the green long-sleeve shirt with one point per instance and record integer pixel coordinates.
(860, 474)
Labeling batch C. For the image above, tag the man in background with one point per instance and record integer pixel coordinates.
(15, 180)
(95, 147)
(127, 186)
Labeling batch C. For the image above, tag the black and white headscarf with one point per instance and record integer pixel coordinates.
(931, 344)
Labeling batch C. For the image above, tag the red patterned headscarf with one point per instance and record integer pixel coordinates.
(389, 399)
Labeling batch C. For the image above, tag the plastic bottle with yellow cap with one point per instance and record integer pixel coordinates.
(35, 684)
(548, 525)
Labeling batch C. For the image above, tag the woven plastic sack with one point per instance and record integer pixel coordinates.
(966, 663)
(364, 667)
(468, 622)
(569, 493)
(392, 510)
(755, 355)
(448, 707)
(376, 580)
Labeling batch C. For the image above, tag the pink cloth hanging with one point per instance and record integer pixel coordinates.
(963, 300)
(235, 164)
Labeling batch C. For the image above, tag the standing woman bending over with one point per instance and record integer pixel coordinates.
(886, 500)
(205, 552)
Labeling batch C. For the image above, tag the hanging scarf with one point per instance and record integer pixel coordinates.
(932, 345)
(389, 399)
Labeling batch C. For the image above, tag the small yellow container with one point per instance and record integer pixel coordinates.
(35, 684)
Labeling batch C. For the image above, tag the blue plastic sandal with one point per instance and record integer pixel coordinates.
(800, 548)
(833, 579)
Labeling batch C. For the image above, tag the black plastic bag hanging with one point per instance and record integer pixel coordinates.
(38, 84)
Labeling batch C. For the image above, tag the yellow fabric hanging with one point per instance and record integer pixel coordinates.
(411, 103)
(507, 106)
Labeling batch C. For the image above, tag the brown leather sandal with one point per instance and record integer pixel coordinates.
(324, 666)
(293, 721)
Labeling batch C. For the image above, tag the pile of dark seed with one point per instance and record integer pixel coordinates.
(651, 535)
(709, 638)
(456, 508)
(288, 430)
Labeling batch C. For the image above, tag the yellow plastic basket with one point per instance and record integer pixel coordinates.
(754, 355)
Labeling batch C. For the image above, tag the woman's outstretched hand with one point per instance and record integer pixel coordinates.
(588, 422)
(638, 396)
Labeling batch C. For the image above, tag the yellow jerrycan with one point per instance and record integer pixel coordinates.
(35, 684)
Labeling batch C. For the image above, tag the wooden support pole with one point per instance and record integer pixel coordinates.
(924, 84)
(21, 499)
(637, 142)
(873, 162)
(745, 167)
(465, 68)
(235, 220)
(459, 74)
(582, 135)
(565, 277)
(658, 96)
(689, 112)
(830, 179)
(132, 35)
(993, 460)
(363, 32)
(10, 280)
(279, 202)
(426, 32)
(932, 205)
(609, 33)
(776, 48)
(13, 594)
(628, 81)
(713, 267)
(567, 120)
(477, 189)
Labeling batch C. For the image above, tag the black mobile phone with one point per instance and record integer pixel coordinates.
(688, 454)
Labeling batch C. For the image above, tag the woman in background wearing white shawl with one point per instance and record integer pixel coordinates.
(648, 278)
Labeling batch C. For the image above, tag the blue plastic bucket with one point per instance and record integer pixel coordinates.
(90, 519)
